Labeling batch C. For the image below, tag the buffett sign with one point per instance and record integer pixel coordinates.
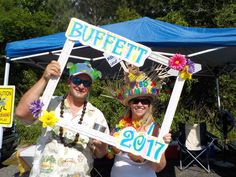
(108, 42)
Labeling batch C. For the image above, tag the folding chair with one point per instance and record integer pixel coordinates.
(195, 142)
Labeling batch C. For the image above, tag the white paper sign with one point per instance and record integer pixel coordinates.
(112, 60)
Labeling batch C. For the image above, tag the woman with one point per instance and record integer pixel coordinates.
(138, 96)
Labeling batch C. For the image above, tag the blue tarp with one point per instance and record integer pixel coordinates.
(153, 33)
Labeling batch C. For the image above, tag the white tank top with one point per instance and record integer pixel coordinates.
(125, 167)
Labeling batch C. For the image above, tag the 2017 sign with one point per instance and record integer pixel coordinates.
(140, 143)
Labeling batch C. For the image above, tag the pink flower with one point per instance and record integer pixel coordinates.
(177, 62)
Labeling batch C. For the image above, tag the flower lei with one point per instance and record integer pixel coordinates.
(47, 118)
(185, 66)
(123, 123)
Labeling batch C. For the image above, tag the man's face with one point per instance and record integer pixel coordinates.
(80, 86)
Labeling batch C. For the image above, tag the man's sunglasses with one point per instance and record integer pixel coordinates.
(78, 81)
(143, 101)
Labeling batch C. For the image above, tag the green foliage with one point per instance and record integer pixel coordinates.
(18, 22)
(226, 17)
(61, 12)
(28, 134)
(2, 66)
(125, 14)
(228, 92)
(96, 12)
(111, 108)
(174, 17)
(25, 79)
(62, 86)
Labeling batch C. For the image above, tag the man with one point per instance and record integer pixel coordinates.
(61, 152)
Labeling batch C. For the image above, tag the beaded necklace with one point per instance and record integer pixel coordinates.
(80, 122)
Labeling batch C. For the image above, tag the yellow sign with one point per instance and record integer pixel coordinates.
(7, 97)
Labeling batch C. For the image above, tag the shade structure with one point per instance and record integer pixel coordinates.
(214, 48)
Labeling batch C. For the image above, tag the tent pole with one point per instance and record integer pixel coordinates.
(218, 93)
(205, 51)
(7, 71)
(6, 78)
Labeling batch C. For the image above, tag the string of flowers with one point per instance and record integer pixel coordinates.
(185, 66)
(47, 118)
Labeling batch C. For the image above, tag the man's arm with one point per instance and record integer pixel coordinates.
(34, 93)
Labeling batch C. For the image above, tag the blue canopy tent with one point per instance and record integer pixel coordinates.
(214, 48)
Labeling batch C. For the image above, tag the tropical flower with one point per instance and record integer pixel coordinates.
(35, 108)
(185, 66)
(136, 123)
(190, 66)
(177, 62)
(48, 119)
(185, 73)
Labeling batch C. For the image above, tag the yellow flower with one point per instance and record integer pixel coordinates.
(136, 124)
(116, 134)
(185, 74)
(122, 123)
(48, 119)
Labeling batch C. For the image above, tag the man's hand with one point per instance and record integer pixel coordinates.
(53, 69)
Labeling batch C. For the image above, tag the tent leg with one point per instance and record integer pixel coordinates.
(7, 72)
(218, 93)
(6, 78)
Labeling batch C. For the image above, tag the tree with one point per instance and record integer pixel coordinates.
(96, 12)
(18, 22)
(125, 14)
(175, 17)
(227, 16)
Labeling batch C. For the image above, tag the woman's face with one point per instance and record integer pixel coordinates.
(139, 106)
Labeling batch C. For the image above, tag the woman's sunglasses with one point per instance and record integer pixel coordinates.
(78, 81)
(143, 101)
